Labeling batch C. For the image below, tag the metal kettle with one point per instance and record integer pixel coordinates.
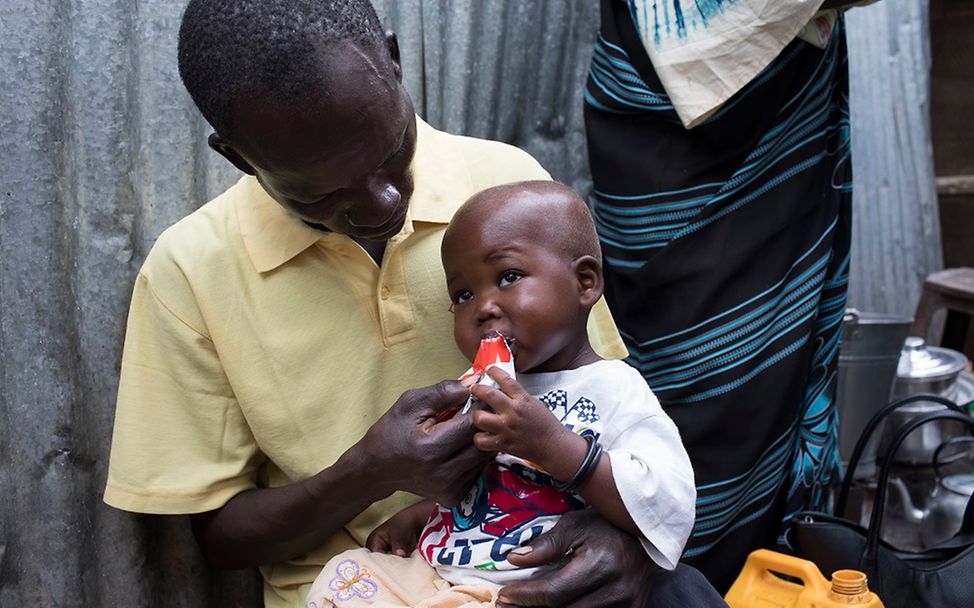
(943, 514)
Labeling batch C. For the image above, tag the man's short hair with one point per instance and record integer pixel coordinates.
(232, 48)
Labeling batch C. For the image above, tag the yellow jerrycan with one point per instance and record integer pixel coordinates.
(757, 587)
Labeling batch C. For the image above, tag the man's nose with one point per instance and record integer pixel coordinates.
(379, 200)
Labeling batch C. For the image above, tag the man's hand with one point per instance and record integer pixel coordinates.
(408, 450)
(404, 450)
(602, 567)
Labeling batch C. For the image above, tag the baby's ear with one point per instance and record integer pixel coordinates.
(588, 273)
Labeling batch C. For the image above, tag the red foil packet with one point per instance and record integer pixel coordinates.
(493, 350)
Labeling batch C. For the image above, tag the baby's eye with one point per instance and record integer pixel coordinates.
(462, 297)
(509, 277)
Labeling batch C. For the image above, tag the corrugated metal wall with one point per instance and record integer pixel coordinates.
(102, 149)
(896, 232)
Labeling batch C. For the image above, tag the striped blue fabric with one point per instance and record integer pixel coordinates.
(726, 256)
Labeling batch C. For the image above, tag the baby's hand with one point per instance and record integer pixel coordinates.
(519, 424)
(400, 533)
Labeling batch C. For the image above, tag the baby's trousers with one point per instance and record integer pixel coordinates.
(360, 577)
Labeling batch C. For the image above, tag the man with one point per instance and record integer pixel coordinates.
(270, 330)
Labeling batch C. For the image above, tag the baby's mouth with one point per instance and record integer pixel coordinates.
(494, 334)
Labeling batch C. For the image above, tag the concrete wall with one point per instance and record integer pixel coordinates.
(102, 149)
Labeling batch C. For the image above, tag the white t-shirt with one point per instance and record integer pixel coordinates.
(513, 502)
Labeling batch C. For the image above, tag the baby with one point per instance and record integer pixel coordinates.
(571, 431)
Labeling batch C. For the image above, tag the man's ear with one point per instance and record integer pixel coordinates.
(392, 45)
(588, 273)
(228, 152)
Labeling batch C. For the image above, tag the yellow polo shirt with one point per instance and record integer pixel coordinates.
(258, 349)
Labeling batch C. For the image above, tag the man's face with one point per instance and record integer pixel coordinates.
(342, 159)
(502, 276)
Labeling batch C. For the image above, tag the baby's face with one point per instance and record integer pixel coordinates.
(501, 277)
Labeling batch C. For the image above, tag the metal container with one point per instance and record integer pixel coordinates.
(947, 504)
(924, 369)
(869, 354)
(965, 391)
(943, 508)
(927, 369)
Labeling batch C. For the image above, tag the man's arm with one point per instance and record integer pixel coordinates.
(405, 450)
(273, 524)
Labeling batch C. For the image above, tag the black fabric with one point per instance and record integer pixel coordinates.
(726, 254)
(684, 587)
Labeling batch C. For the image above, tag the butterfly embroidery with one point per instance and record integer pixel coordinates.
(352, 580)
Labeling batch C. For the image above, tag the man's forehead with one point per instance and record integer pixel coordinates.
(346, 79)
(287, 135)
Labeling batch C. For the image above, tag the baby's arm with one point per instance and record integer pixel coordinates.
(400, 533)
(523, 426)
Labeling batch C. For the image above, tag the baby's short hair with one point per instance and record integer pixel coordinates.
(568, 221)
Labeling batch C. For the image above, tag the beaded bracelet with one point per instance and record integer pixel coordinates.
(591, 460)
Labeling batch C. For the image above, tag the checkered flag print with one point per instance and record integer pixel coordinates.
(557, 402)
(584, 411)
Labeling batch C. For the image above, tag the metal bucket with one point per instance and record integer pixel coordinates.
(924, 369)
(868, 356)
